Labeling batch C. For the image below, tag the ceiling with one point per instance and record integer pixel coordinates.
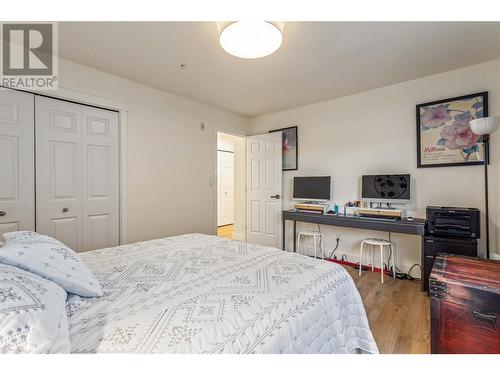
(317, 61)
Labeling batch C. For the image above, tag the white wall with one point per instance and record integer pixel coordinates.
(236, 144)
(171, 162)
(240, 185)
(374, 132)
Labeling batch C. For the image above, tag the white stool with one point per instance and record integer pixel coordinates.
(314, 234)
(382, 243)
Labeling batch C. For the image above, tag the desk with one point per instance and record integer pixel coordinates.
(416, 226)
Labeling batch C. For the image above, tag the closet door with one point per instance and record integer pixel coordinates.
(17, 206)
(100, 190)
(77, 170)
(58, 127)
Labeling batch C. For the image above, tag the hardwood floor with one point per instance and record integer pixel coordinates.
(225, 231)
(397, 311)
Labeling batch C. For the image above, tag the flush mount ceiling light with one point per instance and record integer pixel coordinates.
(250, 39)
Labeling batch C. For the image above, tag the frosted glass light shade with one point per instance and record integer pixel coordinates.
(250, 39)
(485, 125)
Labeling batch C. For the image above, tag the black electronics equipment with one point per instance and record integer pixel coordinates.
(441, 245)
(453, 222)
(450, 230)
(312, 188)
(386, 188)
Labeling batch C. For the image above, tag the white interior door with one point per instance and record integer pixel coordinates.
(77, 181)
(225, 186)
(100, 189)
(17, 203)
(58, 127)
(264, 189)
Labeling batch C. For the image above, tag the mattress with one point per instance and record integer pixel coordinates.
(203, 294)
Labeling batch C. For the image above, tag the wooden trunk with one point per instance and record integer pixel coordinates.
(465, 305)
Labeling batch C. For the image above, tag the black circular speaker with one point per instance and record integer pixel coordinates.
(391, 186)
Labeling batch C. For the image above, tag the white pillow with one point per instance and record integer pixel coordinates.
(32, 314)
(27, 236)
(51, 259)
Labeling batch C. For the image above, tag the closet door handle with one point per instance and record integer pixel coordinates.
(277, 196)
(65, 209)
(3, 213)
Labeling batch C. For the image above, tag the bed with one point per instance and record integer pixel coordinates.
(203, 294)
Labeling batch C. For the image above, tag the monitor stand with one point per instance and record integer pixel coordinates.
(314, 202)
(382, 206)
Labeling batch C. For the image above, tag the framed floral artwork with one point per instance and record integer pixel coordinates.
(289, 147)
(444, 137)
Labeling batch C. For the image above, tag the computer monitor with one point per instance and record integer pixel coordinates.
(312, 188)
(386, 188)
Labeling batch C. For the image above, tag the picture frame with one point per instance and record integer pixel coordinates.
(289, 147)
(444, 137)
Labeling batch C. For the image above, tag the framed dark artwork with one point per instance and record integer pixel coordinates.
(289, 147)
(444, 137)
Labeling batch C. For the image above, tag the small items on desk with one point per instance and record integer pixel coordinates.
(333, 209)
(353, 204)
(330, 209)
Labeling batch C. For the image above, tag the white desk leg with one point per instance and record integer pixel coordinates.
(321, 247)
(393, 249)
(373, 257)
(381, 264)
(360, 257)
(315, 250)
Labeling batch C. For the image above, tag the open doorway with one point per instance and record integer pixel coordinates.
(231, 186)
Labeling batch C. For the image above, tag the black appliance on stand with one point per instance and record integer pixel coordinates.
(450, 230)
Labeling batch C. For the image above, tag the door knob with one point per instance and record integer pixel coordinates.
(3, 213)
(277, 196)
(65, 209)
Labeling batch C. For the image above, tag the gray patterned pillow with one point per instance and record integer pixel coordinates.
(32, 313)
(27, 236)
(51, 259)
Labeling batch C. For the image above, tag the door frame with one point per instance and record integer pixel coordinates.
(64, 93)
(236, 133)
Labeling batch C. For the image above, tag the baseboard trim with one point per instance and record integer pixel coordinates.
(239, 236)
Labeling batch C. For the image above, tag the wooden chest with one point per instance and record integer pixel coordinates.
(465, 305)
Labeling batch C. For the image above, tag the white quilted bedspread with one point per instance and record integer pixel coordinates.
(203, 294)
